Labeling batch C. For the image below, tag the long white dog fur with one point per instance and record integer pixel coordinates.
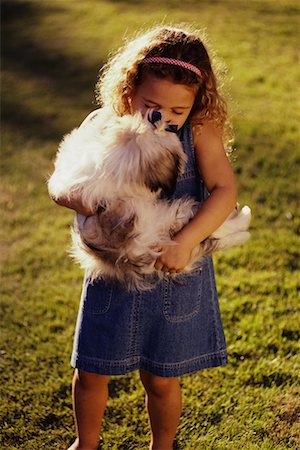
(118, 166)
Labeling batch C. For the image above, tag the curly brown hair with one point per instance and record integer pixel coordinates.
(119, 78)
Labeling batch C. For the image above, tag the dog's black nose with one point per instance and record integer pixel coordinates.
(172, 128)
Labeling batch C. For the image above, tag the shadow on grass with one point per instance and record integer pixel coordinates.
(261, 7)
(52, 73)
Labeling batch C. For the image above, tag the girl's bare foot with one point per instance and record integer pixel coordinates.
(76, 446)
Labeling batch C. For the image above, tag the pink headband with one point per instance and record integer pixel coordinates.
(174, 62)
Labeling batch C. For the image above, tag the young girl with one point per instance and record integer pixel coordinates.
(174, 329)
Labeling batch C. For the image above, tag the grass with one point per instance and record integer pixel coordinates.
(51, 55)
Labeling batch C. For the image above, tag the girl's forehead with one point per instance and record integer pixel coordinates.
(165, 91)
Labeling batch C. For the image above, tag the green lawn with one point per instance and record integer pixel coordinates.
(51, 54)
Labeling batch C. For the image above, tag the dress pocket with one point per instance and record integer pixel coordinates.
(97, 297)
(182, 295)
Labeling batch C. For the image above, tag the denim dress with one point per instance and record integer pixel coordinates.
(171, 330)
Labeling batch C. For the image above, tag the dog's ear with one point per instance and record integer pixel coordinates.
(162, 158)
(163, 173)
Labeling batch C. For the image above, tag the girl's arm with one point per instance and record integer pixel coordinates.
(219, 179)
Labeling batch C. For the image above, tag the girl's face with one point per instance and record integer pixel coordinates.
(174, 101)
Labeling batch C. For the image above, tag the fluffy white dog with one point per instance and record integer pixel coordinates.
(118, 166)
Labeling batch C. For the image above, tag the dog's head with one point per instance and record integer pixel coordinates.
(139, 152)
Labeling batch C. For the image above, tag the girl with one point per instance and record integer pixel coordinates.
(174, 329)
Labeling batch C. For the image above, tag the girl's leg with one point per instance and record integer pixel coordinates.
(90, 394)
(163, 400)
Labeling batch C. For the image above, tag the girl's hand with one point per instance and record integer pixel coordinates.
(174, 257)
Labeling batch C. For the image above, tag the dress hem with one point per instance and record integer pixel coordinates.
(104, 367)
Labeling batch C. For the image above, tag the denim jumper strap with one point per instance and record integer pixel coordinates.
(172, 330)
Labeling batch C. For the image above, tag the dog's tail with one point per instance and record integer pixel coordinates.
(212, 245)
(233, 232)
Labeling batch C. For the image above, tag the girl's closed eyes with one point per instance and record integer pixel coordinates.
(157, 108)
